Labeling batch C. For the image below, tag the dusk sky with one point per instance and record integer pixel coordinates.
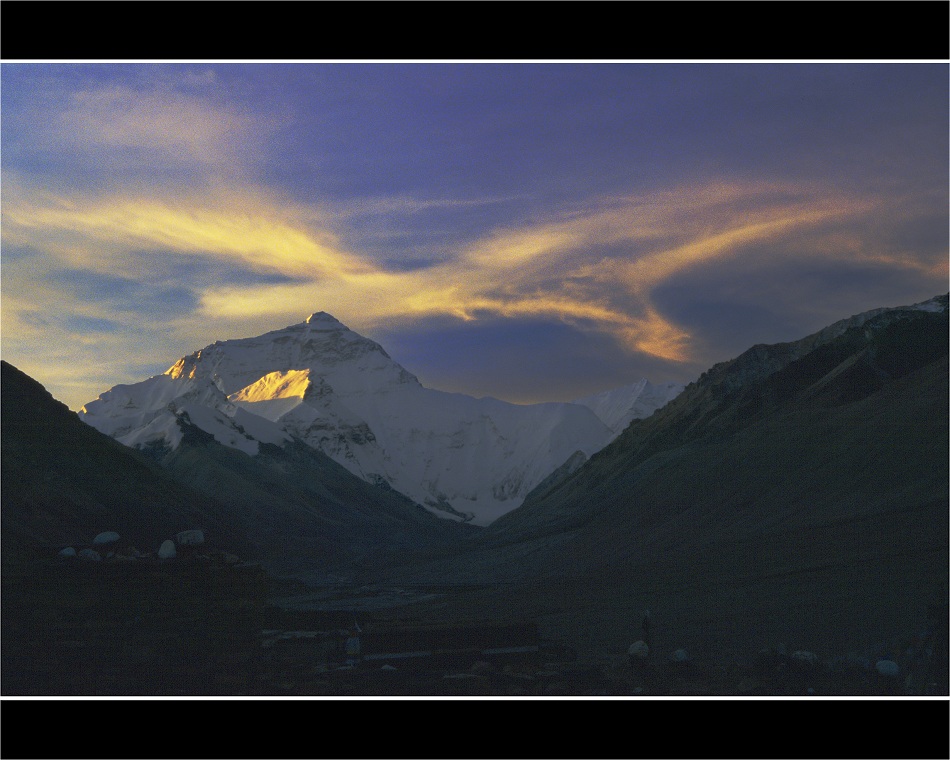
(529, 231)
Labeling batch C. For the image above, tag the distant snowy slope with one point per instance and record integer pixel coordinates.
(322, 383)
(619, 406)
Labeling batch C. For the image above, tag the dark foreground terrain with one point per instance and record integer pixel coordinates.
(197, 626)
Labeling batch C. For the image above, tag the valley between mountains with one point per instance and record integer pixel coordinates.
(793, 497)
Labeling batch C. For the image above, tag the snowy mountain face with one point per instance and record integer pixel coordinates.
(620, 406)
(321, 383)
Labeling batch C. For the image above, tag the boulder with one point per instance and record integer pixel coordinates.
(887, 668)
(67, 552)
(90, 554)
(190, 538)
(108, 537)
(167, 550)
(803, 657)
(639, 650)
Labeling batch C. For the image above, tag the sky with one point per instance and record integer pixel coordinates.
(532, 231)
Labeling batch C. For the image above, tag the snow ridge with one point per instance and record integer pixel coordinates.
(618, 407)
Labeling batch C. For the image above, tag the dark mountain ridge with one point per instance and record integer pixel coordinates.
(807, 382)
(63, 482)
(796, 494)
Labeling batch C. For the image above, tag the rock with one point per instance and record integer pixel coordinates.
(680, 655)
(67, 552)
(190, 538)
(90, 554)
(167, 550)
(887, 668)
(803, 657)
(108, 537)
(639, 650)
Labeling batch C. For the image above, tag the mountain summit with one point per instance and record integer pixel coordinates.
(323, 384)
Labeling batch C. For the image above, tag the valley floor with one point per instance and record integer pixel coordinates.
(193, 628)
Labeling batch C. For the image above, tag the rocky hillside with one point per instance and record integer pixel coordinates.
(63, 482)
(796, 494)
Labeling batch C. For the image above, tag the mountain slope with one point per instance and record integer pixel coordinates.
(804, 383)
(63, 482)
(320, 383)
(796, 494)
(618, 407)
(309, 517)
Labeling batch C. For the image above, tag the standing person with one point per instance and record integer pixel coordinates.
(351, 646)
(646, 627)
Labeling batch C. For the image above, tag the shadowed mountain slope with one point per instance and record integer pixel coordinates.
(63, 482)
(798, 494)
(849, 420)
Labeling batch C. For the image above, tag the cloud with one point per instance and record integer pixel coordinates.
(97, 232)
(149, 209)
(179, 127)
(593, 266)
(134, 124)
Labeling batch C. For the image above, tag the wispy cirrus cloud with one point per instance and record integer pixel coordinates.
(546, 268)
(175, 126)
(543, 268)
(227, 225)
(144, 125)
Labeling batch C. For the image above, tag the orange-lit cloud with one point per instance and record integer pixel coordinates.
(541, 269)
(224, 225)
(546, 269)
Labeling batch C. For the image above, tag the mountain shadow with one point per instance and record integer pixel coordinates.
(64, 482)
(795, 495)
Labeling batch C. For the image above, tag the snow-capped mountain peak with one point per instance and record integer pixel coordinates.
(321, 383)
(320, 320)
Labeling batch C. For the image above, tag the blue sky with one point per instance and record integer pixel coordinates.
(529, 231)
